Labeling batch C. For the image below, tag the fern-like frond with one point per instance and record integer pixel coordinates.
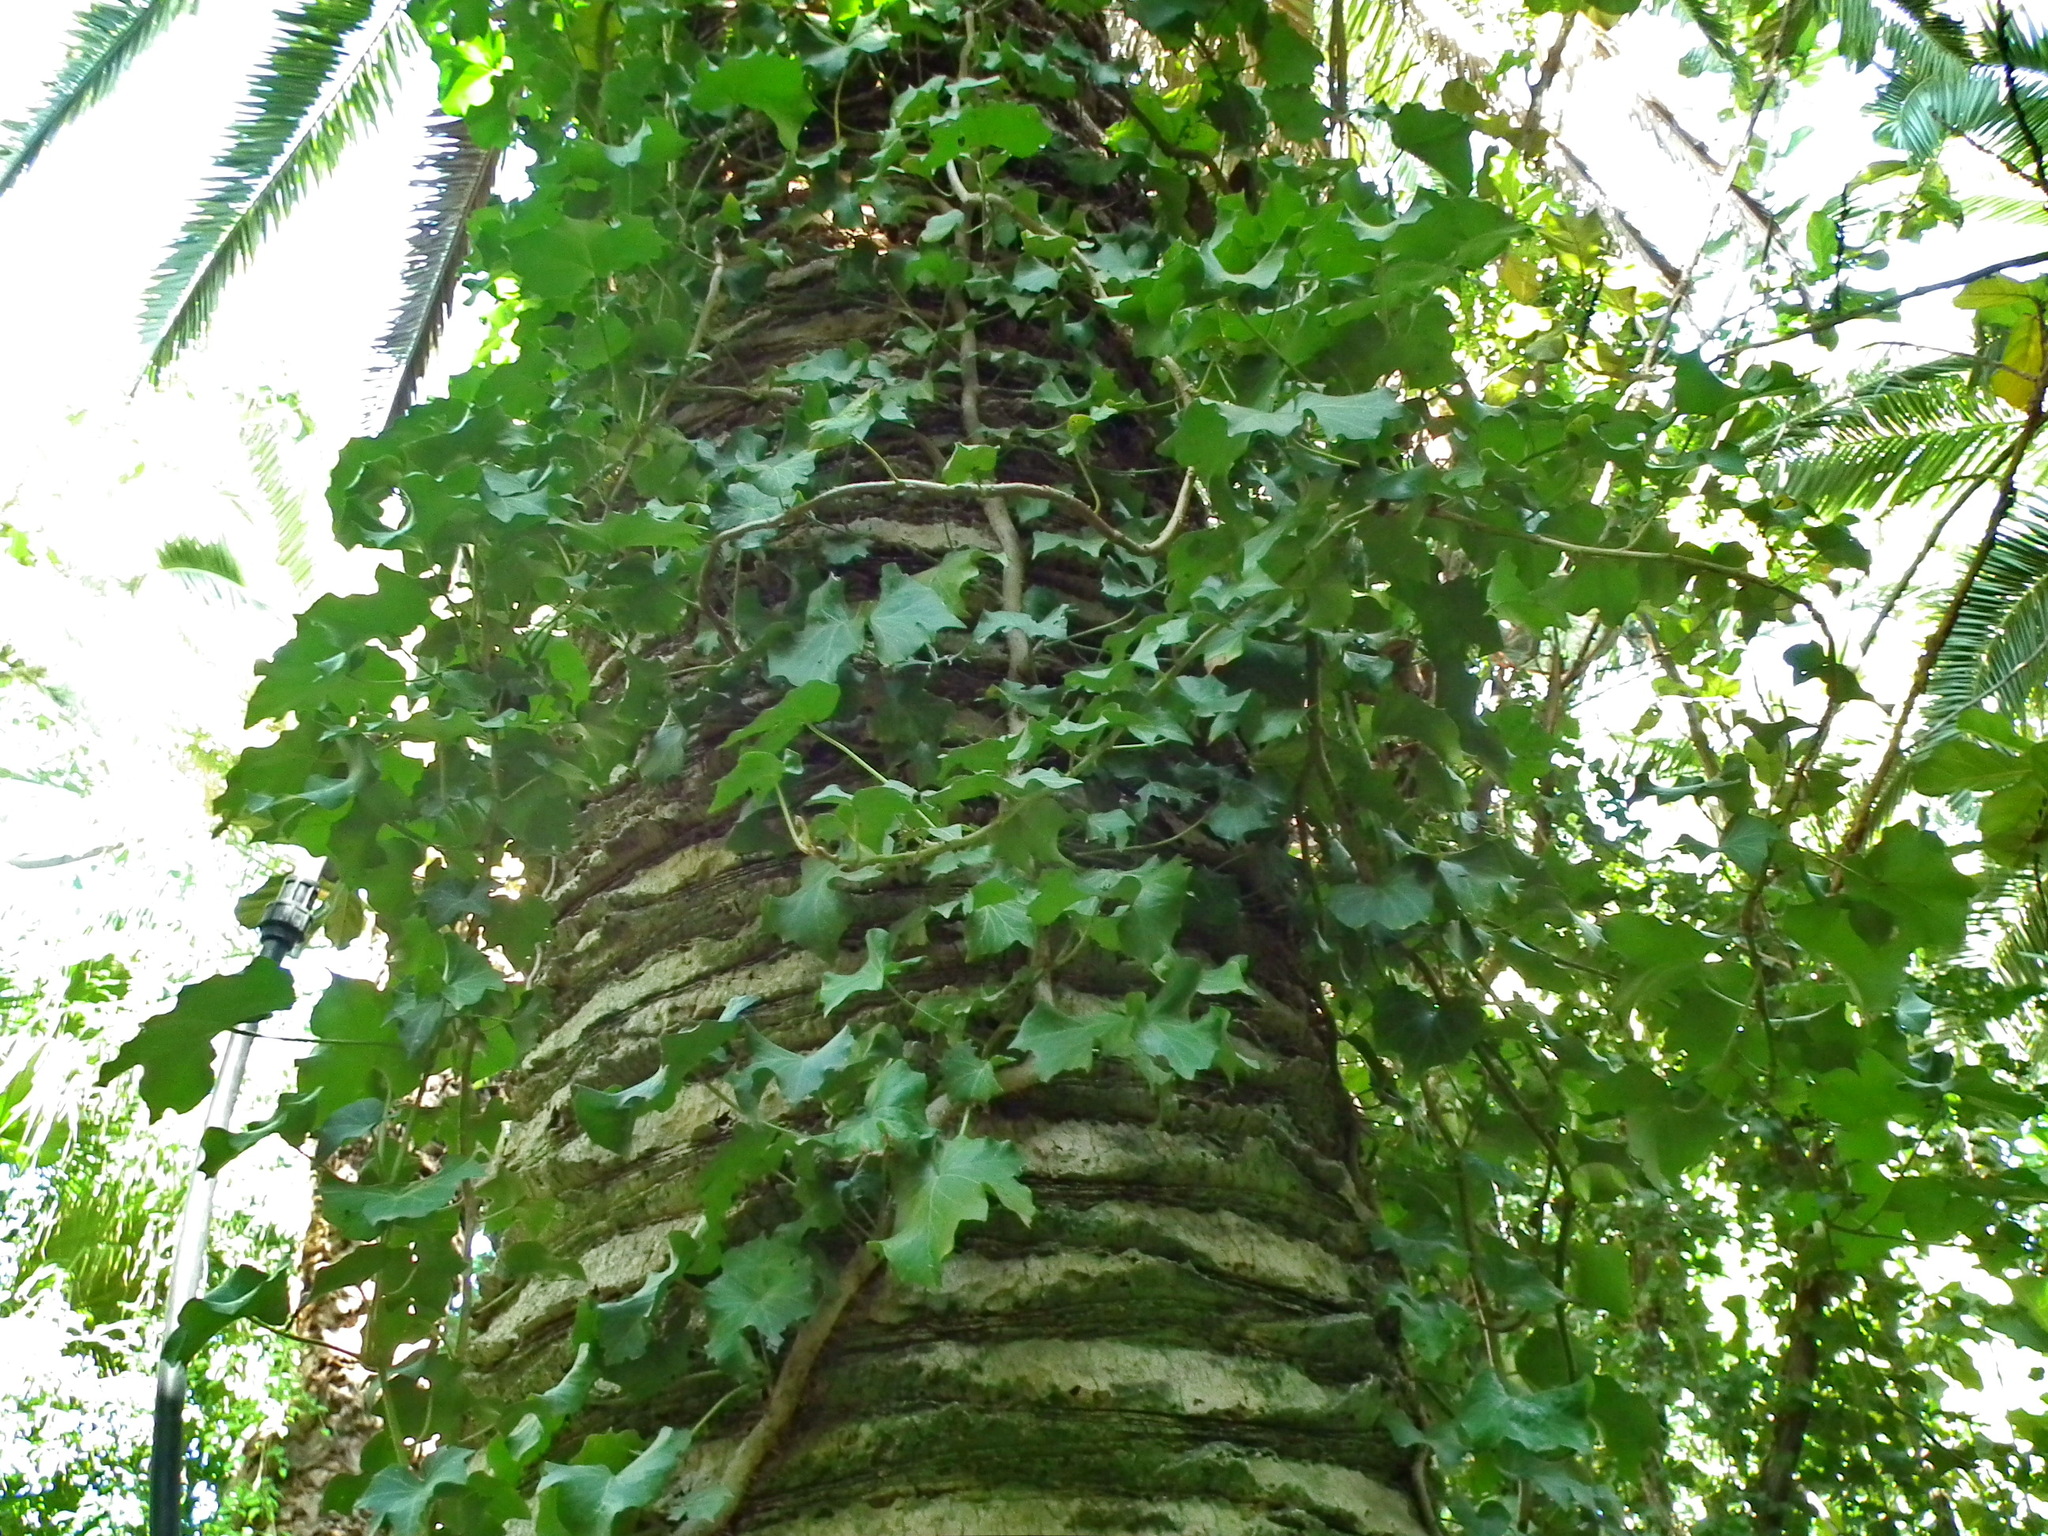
(105, 40)
(1712, 26)
(261, 440)
(2005, 210)
(456, 182)
(1860, 25)
(2021, 952)
(208, 557)
(1889, 439)
(311, 102)
(1998, 648)
(1933, 92)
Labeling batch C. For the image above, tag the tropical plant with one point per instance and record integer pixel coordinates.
(1010, 900)
(331, 75)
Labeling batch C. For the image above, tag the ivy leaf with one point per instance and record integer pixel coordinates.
(1244, 420)
(1601, 1276)
(1422, 1034)
(872, 976)
(766, 1287)
(757, 773)
(814, 915)
(781, 723)
(767, 82)
(175, 1048)
(1185, 1045)
(399, 1496)
(509, 497)
(998, 926)
(293, 1120)
(966, 1076)
(607, 1118)
(587, 1498)
(1904, 895)
(893, 1115)
(247, 1292)
(1157, 892)
(829, 639)
(1491, 1415)
(906, 617)
(950, 577)
(800, 1075)
(359, 1211)
(1058, 1042)
(1203, 442)
(623, 1329)
(1398, 902)
(359, 1056)
(1695, 391)
(970, 462)
(546, 1412)
(1747, 842)
(1811, 660)
(1440, 140)
(1355, 418)
(1016, 128)
(1668, 1135)
(952, 1186)
(1286, 58)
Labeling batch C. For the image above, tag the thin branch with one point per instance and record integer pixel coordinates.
(787, 1395)
(1892, 303)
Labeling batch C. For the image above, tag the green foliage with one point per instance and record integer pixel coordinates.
(1278, 569)
(320, 90)
(107, 37)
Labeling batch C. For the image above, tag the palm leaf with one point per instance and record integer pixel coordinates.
(2021, 954)
(311, 102)
(1892, 438)
(209, 557)
(261, 439)
(457, 181)
(1860, 24)
(1999, 645)
(1933, 92)
(107, 38)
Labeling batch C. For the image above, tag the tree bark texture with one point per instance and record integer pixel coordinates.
(1187, 1338)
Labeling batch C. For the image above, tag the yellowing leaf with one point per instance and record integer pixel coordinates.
(2018, 378)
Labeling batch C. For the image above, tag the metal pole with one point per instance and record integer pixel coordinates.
(283, 930)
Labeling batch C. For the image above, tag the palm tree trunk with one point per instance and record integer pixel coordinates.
(1186, 1338)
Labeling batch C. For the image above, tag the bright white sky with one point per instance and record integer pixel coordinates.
(99, 476)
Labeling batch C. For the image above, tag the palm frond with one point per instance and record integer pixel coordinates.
(456, 182)
(1998, 648)
(1939, 28)
(1891, 438)
(207, 568)
(207, 555)
(312, 101)
(105, 40)
(2005, 210)
(261, 440)
(1714, 28)
(2012, 922)
(1932, 92)
(1860, 24)
(106, 1215)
